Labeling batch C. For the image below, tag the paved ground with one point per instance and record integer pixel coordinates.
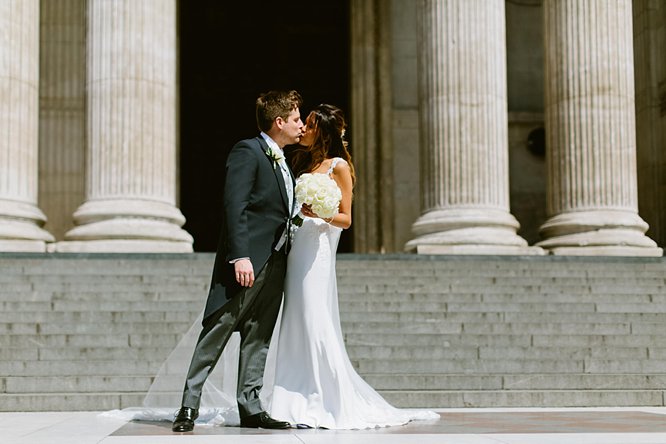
(468, 426)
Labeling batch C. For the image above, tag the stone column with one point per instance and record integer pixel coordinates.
(590, 131)
(20, 218)
(464, 141)
(131, 132)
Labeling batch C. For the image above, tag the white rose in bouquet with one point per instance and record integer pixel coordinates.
(320, 192)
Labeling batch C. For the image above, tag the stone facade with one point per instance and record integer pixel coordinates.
(449, 102)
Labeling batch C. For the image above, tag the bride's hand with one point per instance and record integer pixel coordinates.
(307, 211)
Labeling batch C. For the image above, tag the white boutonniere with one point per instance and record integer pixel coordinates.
(274, 155)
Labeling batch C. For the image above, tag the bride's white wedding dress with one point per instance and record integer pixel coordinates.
(309, 379)
(315, 382)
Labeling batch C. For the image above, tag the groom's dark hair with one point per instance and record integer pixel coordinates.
(274, 104)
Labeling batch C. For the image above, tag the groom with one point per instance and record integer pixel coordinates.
(248, 276)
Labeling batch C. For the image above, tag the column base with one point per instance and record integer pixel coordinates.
(603, 242)
(598, 233)
(473, 241)
(121, 246)
(20, 227)
(23, 246)
(606, 251)
(127, 225)
(477, 250)
(469, 231)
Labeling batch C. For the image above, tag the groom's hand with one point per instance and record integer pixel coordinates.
(244, 272)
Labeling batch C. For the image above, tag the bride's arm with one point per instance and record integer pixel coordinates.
(342, 176)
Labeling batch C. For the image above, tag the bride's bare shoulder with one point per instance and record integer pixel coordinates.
(340, 165)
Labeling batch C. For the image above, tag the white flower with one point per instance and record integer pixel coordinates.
(275, 155)
(320, 192)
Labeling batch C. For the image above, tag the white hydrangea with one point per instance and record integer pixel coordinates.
(320, 192)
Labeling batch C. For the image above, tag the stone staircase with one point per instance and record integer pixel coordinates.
(88, 332)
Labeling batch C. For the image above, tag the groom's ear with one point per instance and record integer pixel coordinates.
(278, 122)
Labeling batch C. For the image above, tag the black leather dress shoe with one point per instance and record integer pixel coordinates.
(263, 421)
(184, 421)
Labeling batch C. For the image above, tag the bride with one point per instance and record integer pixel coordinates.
(315, 383)
(309, 380)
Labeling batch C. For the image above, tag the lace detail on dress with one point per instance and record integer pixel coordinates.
(335, 161)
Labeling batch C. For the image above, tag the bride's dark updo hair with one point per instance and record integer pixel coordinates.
(329, 126)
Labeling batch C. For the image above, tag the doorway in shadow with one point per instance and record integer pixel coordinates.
(229, 53)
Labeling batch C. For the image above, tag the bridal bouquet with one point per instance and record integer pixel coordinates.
(320, 192)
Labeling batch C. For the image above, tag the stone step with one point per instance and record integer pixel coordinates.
(536, 277)
(353, 262)
(427, 340)
(100, 317)
(83, 368)
(527, 328)
(348, 315)
(465, 285)
(407, 381)
(511, 316)
(378, 344)
(102, 306)
(145, 272)
(347, 265)
(70, 384)
(502, 280)
(158, 354)
(473, 288)
(524, 398)
(469, 366)
(424, 326)
(444, 306)
(67, 401)
(518, 340)
(471, 284)
(126, 366)
(505, 353)
(148, 294)
(150, 354)
(94, 328)
(453, 303)
(399, 398)
(524, 366)
(380, 381)
(514, 297)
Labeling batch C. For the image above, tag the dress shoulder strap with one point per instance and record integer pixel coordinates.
(333, 164)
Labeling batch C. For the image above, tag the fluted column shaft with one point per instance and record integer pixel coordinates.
(590, 130)
(131, 131)
(20, 218)
(464, 140)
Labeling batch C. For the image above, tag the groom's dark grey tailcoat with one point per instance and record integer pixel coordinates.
(256, 211)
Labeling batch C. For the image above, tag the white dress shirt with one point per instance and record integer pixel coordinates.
(286, 175)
